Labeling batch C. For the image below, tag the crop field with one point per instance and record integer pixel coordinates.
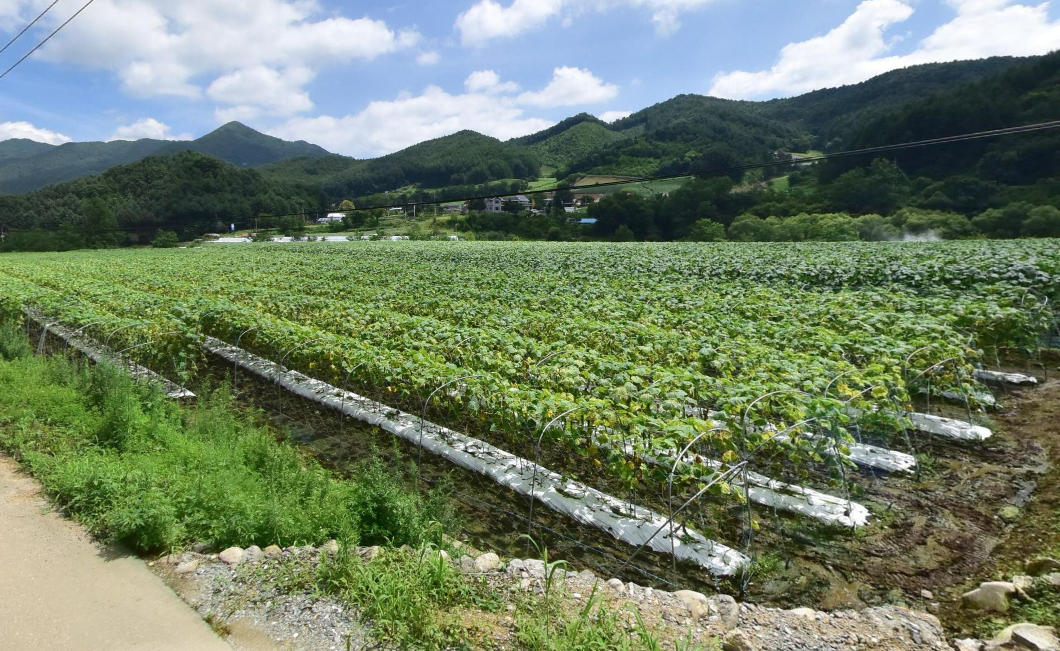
(659, 369)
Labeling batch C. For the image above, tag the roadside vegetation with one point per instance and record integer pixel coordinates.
(135, 468)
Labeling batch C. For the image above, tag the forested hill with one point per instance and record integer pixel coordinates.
(26, 166)
(187, 192)
(686, 133)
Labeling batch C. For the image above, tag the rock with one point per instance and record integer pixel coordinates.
(272, 550)
(1053, 579)
(727, 609)
(1023, 583)
(1040, 566)
(616, 584)
(200, 548)
(1028, 637)
(739, 640)
(330, 547)
(515, 568)
(188, 567)
(1009, 513)
(252, 554)
(534, 568)
(370, 553)
(968, 644)
(587, 575)
(696, 603)
(1035, 638)
(487, 562)
(231, 556)
(467, 565)
(926, 594)
(989, 597)
(807, 613)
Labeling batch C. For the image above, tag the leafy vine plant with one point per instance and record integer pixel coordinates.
(641, 350)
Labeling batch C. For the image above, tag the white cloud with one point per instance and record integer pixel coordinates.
(488, 19)
(488, 81)
(148, 128)
(981, 28)
(428, 58)
(273, 91)
(9, 130)
(614, 116)
(569, 87)
(161, 47)
(385, 127)
(488, 106)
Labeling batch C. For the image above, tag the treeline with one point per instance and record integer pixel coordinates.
(186, 193)
(877, 202)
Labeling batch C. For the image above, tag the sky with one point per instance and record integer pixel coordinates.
(366, 79)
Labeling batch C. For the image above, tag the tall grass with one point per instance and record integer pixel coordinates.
(136, 468)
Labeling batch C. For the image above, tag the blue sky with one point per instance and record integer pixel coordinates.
(365, 79)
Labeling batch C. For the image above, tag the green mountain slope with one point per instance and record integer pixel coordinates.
(233, 143)
(245, 147)
(186, 192)
(576, 142)
(21, 148)
(464, 158)
(833, 114)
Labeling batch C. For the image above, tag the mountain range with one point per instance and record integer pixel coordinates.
(26, 165)
(683, 134)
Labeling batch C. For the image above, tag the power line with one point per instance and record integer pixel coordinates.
(28, 27)
(716, 171)
(48, 38)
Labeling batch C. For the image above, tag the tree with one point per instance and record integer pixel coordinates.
(100, 225)
(165, 240)
(706, 230)
(624, 209)
(879, 188)
(750, 228)
(1043, 221)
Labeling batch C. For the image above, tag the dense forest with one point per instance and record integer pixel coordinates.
(185, 193)
(993, 187)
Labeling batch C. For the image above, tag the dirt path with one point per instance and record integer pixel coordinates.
(59, 590)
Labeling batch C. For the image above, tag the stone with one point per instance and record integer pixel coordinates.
(727, 609)
(200, 548)
(330, 547)
(1053, 579)
(487, 562)
(927, 594)
(1027, 637)
(231, 556)
(370, 553)
(1009, 513)
(968, 644)
(616, 584)
(1041, 566)
(991, 597)
(188, 567)
(695, 602)
(807, 613)
(467, 565)
(1035, 638)
(272, 550)
(534, 568)
(1023, 583)
(252, 554)
(739, 640)
(587, 575)
(515, 567)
